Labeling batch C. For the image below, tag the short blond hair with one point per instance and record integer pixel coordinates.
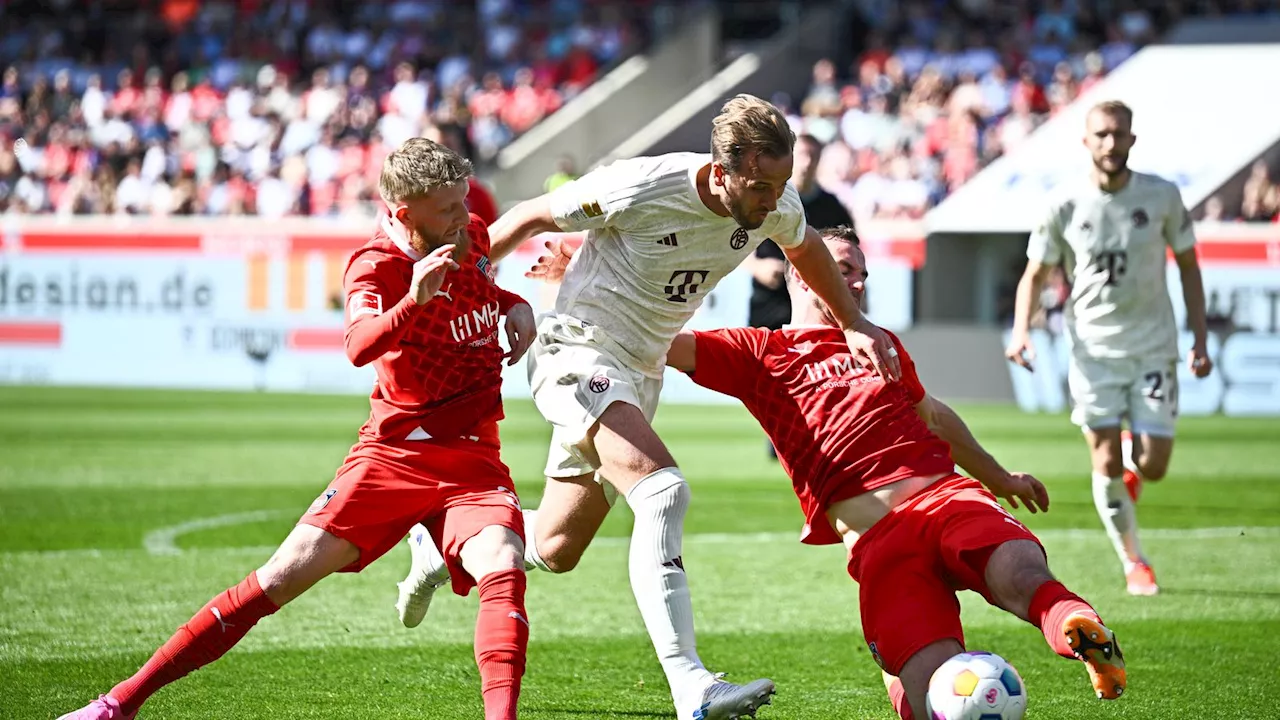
(419, 166)
(748, 124)
(1115, 109)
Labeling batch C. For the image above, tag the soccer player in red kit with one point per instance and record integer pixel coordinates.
(873, 465)
(421, 306)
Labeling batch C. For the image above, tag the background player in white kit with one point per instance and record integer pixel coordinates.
(1111, 235)
(662, 231)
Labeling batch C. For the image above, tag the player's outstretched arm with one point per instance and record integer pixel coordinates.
(683, 353)
(520, 223)
(868, 342)
(1193, 295)
(1020, 349)
(970, 455)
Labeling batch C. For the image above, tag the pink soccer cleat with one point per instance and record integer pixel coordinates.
(104, 708)
(1141, 579)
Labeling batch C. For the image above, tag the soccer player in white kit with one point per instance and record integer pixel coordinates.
(661, 232)
(1111, 234)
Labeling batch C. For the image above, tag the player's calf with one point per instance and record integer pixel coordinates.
(916, 673)
(494, 556)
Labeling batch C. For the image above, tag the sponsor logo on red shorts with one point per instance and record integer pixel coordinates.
(321, 501)
(875, 655)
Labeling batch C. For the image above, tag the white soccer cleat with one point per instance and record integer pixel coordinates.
(426, 575)
(725, 701)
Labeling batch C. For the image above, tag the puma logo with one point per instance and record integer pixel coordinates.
(518, 616)
(444, 292)
(372, 263)
(218, 616)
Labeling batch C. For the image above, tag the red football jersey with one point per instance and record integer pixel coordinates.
(839, 429)
(439, 365)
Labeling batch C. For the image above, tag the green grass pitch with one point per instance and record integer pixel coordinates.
(122, 512)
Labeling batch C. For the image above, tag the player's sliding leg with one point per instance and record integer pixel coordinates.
(1018, 580)
(909, 697)
(555, 537)
(1115, 508)
(494, 557)
(638, 465)
(307, 555)
(897, 696)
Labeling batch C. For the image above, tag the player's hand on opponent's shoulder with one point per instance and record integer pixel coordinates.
(1020, 350)
(551, 264)
(428, 274)
(872, 346)
(520, 331)
(1199, 362)
(1017, 486)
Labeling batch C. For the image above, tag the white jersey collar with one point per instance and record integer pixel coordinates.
(398, 237)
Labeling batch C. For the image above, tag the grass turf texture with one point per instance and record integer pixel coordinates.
(86, 477)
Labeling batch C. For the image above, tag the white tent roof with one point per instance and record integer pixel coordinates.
(1201, 113)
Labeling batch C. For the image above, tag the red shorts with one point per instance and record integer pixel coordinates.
(910, 564)
(455, 487)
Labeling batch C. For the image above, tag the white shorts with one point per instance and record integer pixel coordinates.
(1105, 391)
(574, 378)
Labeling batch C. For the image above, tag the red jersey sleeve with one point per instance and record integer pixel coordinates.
(378, 307)
(910, 380)
(728, 360)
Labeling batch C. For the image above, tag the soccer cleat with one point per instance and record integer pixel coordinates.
(726, 701)
(104, 708)
(1141, 579)
(1133, 484)
(426, 575)
(1096, 646)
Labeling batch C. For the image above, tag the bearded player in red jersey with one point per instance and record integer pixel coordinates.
(873, 465)
(423, 308)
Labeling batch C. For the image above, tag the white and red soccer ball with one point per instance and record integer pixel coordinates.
(976, 686)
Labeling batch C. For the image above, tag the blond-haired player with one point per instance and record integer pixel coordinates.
(1111, 233)
(661, 232)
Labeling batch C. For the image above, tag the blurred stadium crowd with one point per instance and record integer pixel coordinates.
(206, 107)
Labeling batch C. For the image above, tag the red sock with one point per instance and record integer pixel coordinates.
(1051, 605)
(502, 637)
(898, 696)
(207, 636)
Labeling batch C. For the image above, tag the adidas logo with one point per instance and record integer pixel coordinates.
(677, 562)
(669, 241)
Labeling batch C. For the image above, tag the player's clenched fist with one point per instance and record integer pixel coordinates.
(428, 274)
(1020, 350)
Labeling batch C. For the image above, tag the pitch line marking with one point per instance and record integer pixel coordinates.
(163, 541)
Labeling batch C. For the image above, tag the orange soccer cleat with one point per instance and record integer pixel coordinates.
(1096, 646)
(1141, 579)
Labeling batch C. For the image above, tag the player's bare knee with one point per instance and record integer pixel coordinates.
(1014, 572)
(1153, 467)
(493, 549)
(560, 552)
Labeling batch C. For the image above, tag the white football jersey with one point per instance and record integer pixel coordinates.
(653, 250)
(1113, 247)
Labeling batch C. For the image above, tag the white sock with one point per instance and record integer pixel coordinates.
(532, 559)
(1126, 454)
(1116, 511)
(428, 563)
(658, 581)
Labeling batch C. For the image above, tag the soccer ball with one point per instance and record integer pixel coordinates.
(976, 686)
